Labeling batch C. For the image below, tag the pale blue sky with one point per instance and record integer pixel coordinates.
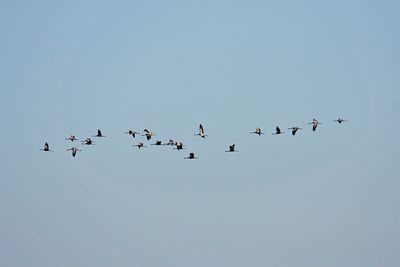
(328, 198)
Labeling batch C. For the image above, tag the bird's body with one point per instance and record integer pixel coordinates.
(140, 145)
(46, 148)
(340, 120)
(315, 124)
(88, 142)
(232, 148)
(170, 143)
(277, 131)
(157, 143)
(179, 146)
(74, 150)
(191, 156)
(72, 138)
(201, 131)
(148, 134)
(99, 134)
(257, 131)
(132, 132)
(294, 130)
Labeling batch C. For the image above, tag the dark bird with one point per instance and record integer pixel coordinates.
(74, 151)
(201, 131)
(169, 143)
(314, 124)
(340, 120)
(148, 134)
(88, 142)
(46, 148)
(179, 146)
(132, 132)
(99, 134)
(157, 143)
(140, 145)
(277, 131)
(232, 148)
(257, 131)
(72, 138)
(191, 156)
(294, 130)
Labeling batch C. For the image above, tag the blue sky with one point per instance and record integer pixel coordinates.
(324, 198)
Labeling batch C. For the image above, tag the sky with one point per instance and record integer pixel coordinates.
(324, 198)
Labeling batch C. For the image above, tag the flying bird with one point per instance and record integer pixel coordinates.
(88, 142)
(99, 134)
(74, 151)
(277, 131)
(191, 156)
(132, 132)
(232, 148)
(72, 138)
(314, 124)
(294, 130)
(340, 120)
(46, 148)
(201, 131)
(140, 145)
(148, 134)
(257, 131)
(179, 146)
(157, 143)
(170, 143)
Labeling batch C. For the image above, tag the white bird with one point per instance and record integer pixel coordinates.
(232, 148)
(72, 138)
(191, 156)
(201, 131)
(74, 150)
(257, 131)
(148, 134)
(340, 120)
(294, 130)
(314, 124)
(46, 148)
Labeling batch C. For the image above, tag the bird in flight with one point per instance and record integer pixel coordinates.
(191, 156)
(88, 142)
(179, 146)
(340, 120)
(98, 134)
(294, 130)
(74, 151)
(140, 145)
(46, 148)
(170, 143)
(314, 124)
(157, 143)
(132, 132)
(201, 131)
(257, 131)
(232, 148)
(277, 131)
(72, 138)
(148, 134)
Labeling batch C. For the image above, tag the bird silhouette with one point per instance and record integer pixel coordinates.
(191, 156)
(74, 151)
(201, 131)
(148, 134)
(46, 148)
(315, 124)
(88, 142)
(340, 120)
(232, 148)
(72, 138)
(294, 130)
(257, 131)
(132, 132)
(140, 145)
(277, 131)
(99, 134)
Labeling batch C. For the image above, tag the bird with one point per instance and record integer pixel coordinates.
(257, 131)
(179, 146)
(314, 124)
(88, 142)
(72, 138)
(294, 130)
(232, 148)
(340, 120)
(74, 150)
(140, 145)
(132, 132)
(277, 131)
(148, 134)
(201, 131)
(169, 143)
(191, 156)
(46, 148)
(157, 143)
(98, 134)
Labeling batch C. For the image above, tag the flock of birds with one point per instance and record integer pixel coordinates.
(177, 145)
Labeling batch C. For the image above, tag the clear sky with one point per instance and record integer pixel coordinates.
(324, 198)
